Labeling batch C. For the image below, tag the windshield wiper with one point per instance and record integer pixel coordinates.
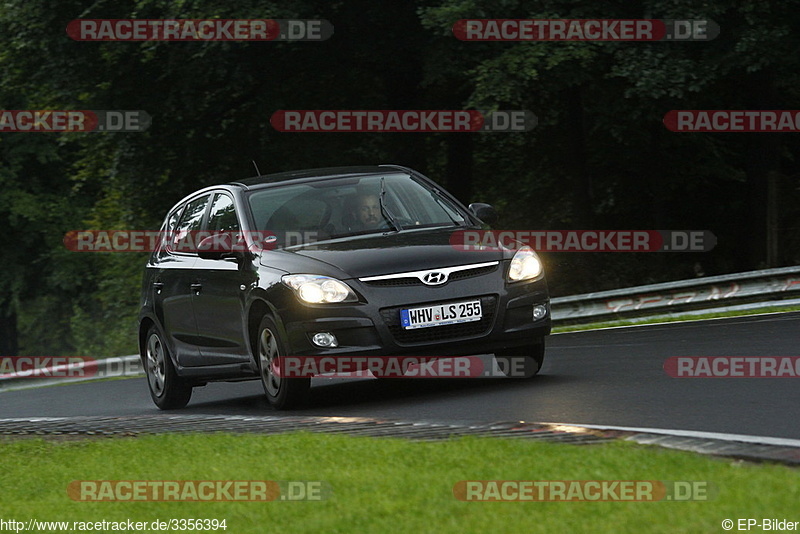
(384, 210)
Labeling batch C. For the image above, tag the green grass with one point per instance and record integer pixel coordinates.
(678, 318)
(387, 485)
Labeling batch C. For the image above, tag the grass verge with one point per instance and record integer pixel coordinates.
(386, 485)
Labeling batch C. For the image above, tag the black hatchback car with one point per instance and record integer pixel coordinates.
(356, 261)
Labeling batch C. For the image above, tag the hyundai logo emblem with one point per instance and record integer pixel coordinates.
(434, 278)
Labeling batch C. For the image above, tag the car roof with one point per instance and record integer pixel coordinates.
(327, 173)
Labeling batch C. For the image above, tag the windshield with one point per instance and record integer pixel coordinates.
(330, 209)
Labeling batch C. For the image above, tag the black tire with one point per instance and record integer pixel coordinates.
(283, 393)
(168, 390)
(521, 362)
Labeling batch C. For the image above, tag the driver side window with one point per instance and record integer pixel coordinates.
(223, 215)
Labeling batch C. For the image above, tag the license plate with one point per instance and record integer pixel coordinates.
(441, 314)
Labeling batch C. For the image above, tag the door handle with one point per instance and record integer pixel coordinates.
(196, 287)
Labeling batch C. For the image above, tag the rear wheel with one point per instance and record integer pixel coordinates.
(283, 393)
(167, 389)
(521, 362)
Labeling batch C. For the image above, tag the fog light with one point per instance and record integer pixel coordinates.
(324, 339)
(539, 311)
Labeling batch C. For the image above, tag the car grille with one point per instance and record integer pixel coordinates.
(414, 281)
(391, 316)
(396, 282)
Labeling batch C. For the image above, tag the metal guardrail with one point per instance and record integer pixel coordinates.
(114, 367)
(726, 292)
(740, 290)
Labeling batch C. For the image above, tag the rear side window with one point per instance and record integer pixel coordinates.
(166, 233)
(190, 223)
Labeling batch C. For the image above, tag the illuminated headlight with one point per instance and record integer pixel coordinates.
(316, 289)
(524, 265)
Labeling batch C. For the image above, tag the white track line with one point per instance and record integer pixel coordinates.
(762, 440)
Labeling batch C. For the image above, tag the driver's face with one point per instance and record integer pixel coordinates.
(368, 211)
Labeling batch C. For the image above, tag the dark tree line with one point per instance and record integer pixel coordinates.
(600, 157)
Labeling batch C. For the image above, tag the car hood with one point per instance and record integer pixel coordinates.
(378, 254)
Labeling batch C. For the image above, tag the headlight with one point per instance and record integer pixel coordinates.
(316, 289)
(524, 265)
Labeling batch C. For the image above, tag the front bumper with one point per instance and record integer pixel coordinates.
(372, 327)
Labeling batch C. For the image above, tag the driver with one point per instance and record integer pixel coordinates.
(366, 212)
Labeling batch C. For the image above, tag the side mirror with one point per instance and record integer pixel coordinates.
(216, 247)
(484, 212)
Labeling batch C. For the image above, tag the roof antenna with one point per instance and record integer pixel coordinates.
(256, 166)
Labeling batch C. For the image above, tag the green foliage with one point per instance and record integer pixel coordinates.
(599, 158)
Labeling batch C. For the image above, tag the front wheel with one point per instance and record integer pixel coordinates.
(283, 393)
(521, 362)
(168, 390)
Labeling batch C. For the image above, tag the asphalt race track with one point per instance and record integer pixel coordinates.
(606, 377)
